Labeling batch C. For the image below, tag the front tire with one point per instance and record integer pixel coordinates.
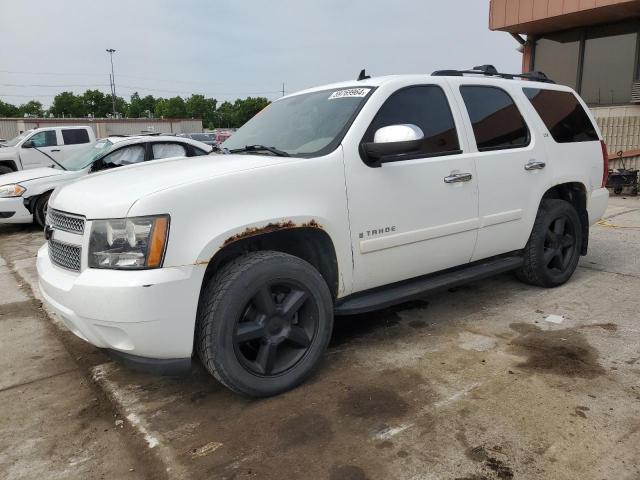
(40, 210)
(264, 323)
(553, 250)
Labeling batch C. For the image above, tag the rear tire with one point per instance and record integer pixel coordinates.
(40, 210)
(553, 250)
(264, 323)
(4, 169)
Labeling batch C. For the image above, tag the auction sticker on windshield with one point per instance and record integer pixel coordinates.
(349, 93)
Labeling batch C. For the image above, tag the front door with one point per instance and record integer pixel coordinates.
(417, 213)
(46, 143)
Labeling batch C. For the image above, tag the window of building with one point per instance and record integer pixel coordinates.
(563, 115)
(425, 106)
(496, 120)
(609, 63)
(75, 136)
(598, 62)
(558, 55)
(45, 139)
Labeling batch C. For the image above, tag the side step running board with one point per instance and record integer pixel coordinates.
(417, 288)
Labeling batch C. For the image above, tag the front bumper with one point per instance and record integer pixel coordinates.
(141, 315)
(597, 204)
(12, 210)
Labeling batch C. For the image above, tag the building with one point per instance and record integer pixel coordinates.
(592, 46)
(10, 127)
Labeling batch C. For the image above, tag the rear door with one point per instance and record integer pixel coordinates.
(510, 158)
(74, 139)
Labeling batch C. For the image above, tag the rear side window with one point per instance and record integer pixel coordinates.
(167, 150)
(125, 156)
(75, 136)
(426, 107)
(563, 115)
(496, 120)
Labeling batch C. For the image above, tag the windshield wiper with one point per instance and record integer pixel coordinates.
(260, 148)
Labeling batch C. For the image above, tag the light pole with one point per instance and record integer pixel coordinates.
(111, 51)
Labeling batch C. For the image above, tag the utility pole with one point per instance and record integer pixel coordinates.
(112, 78)
(283, 89)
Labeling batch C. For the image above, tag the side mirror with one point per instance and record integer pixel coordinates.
(28, 144)
(394, 140)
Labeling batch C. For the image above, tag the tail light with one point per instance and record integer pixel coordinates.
(605, 164)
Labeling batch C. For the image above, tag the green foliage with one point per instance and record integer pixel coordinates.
(8, 110)
(99, 105)
(32, 107)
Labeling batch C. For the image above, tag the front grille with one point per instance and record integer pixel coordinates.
(65, 221)
(65, 255)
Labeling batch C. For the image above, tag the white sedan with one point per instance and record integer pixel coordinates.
(24, 195)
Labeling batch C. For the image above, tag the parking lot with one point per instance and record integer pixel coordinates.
(495, 380)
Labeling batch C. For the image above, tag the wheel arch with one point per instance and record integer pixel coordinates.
(574, 193)
(308, 241)
(9, 163)
(30, 202)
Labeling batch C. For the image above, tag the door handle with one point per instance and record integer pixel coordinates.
(458, 177)
(55, 150)
(534, 165)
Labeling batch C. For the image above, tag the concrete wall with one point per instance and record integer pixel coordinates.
(621, 130)
(103, 127)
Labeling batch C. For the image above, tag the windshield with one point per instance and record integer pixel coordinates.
(14, 141)
(304, 124)
(85, 157)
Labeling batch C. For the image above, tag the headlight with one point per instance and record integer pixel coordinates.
(9, 191)
(128, 243)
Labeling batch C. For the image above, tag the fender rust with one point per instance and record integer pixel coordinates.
(269, 228)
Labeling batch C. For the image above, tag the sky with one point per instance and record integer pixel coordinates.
(235, 48)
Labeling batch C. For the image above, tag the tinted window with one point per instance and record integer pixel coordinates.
(608, 72)
(427, 108)
(557, 55)
(167, 150)
(563, 115)
(125, 156)
(75, 136)
(45, 139)
(497, 123)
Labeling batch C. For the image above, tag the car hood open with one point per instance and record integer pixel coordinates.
(110, 194)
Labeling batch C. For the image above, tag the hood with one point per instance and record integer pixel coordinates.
(23, 176)
(8, 153)
(110, 194)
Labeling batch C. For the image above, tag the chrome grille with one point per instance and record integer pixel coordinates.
(65, 255)
(65, 221)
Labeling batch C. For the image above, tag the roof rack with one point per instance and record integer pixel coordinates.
(491, 71)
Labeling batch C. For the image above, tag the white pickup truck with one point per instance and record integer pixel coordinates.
(43, 147)
(339, 199)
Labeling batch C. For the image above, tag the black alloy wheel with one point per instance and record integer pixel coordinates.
(276, 329)
(560, 245)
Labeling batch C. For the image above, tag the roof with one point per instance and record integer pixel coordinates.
(156, 138)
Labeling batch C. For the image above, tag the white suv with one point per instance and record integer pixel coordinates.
(340, 199)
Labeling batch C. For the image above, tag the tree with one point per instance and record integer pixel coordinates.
(96, 103)
(67, 104)
(32, 108)
(247, 108)
(197, 106)
(171, 108)
(8, 110)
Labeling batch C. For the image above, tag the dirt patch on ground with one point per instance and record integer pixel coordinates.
(563, 352)
(19, 310)
(304, 429)
(373, 402)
